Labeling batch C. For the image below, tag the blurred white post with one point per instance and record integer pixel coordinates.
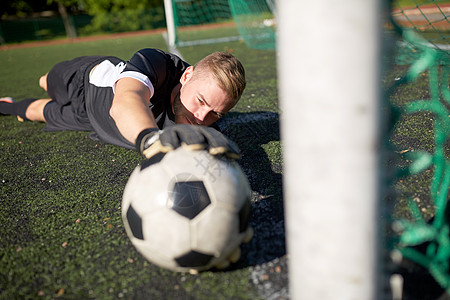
(329, 88)
(170, 22)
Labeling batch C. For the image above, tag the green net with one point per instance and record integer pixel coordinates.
(193, 12)
(214, 15)
(255, 20)
(424, 50)
(429, 18)
(225, 20)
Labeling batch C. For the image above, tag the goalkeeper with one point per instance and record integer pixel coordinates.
(132, 104)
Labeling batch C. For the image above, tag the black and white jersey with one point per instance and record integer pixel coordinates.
(164, 71)
(158, 70)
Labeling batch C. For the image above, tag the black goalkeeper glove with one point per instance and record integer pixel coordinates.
(194, 137)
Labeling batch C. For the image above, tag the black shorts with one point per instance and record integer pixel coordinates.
(65, 86)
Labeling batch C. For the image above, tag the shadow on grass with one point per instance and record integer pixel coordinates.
(257, 135)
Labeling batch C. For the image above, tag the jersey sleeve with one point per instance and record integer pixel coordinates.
(150, 64)
(162, 70)
(106, 74)
(138, 76)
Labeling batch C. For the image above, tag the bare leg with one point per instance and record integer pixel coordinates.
(31, 108)
(35, 111)
(43, 82)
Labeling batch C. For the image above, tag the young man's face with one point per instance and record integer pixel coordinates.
(200, 100)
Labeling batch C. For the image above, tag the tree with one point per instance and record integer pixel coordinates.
(62, 9)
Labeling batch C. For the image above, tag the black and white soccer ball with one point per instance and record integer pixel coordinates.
(187, 210)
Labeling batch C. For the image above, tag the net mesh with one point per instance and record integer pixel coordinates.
(203, 12)
(252, 20)
(424, 49)
(429, 18)
(255, 21)
(194, 12)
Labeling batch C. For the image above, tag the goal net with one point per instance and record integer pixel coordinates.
(256, 22)
(424, 28)
(212, 18)
(428, 18)
(219, 21)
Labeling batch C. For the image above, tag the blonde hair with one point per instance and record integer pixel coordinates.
(227, 70)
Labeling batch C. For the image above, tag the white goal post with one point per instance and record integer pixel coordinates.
(328, 58)
(170, 23)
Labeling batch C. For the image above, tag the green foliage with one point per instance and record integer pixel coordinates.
(107, 16)
(129, 19)
(23, 7)
(122, 15)
(101, 6)
(66, 3)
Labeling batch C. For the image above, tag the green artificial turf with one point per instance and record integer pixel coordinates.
(412, 133)
(61, 232)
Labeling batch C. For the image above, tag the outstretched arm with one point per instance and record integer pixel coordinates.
(130, 109)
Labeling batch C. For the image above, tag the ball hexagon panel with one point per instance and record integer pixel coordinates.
(232, 189)
(188, 198)
(169, 231)
(210, 236)
(147, 189)
(181, 160)
(193, 259)
(134, 222)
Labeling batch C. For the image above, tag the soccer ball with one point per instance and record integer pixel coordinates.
(187, 210)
